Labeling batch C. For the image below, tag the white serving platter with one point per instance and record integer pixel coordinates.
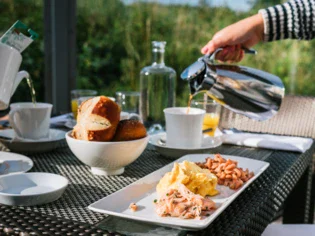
(143, 193)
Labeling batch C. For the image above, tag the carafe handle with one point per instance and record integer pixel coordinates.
(210, 58)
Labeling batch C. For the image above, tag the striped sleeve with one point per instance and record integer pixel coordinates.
(294, 19)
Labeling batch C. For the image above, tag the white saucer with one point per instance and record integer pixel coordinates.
(29, 189)
(7, 137)
(12, 163)
(208, 143)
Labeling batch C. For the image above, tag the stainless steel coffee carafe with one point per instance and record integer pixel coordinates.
(244, 90)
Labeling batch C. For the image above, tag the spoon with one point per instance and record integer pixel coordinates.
(162, 140)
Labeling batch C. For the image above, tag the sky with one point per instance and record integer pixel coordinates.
(236, 5)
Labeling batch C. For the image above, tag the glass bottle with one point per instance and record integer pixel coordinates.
(157, 87)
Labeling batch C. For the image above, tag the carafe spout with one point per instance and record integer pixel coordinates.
(19, 76)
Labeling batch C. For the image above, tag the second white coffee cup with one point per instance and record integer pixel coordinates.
(29, 121)
(184, 130)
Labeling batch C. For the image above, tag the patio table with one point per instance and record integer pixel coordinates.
(286, 185)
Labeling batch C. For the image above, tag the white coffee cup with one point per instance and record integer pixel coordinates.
(125, 116)
(30, 121)
(184, 130)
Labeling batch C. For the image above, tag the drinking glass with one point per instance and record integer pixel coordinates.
(77, 96)
(128, 101)
(212, 116)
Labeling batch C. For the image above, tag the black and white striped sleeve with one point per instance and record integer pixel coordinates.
(294, 19)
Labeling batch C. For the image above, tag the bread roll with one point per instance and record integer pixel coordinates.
(97, 119)
(129, 130)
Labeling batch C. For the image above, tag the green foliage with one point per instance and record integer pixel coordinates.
(186, 29)
(114, 43)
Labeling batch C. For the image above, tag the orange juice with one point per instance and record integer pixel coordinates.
(74, 107)
(210, 121)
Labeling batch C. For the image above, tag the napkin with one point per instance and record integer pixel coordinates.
(289, 230)
(269, 141)
(62, 121)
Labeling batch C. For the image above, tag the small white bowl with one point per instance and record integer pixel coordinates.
(107, 158)
(30, 189)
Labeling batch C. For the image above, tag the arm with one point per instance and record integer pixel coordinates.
(294, 19)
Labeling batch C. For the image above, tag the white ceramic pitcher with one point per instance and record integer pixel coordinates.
(10, 61)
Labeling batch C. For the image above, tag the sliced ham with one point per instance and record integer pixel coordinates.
(183, 203)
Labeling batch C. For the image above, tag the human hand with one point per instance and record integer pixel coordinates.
(243, 34)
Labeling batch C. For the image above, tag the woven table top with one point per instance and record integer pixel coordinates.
(248, 214)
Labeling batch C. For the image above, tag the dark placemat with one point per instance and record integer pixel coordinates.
(249, 214)
(85, 188)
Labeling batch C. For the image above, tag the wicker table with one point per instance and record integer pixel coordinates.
(286, 181)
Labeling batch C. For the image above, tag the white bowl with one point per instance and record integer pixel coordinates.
(106, 158)
(29, 189)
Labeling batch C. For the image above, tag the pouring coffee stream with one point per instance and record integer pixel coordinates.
(32, 90)
(244, 90)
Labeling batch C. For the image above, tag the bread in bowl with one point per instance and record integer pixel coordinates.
(97, 119)
(129, 130)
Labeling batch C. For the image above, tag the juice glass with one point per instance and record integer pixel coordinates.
(75, 98)
(212, 117)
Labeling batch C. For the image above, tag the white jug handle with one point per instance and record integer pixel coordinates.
(12, 122)
(19, 76)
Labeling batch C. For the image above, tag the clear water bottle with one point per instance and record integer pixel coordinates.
(157, 87)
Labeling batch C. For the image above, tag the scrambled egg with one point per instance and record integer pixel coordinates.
(198, 180)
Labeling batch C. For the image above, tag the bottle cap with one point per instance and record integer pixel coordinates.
(158, 46)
